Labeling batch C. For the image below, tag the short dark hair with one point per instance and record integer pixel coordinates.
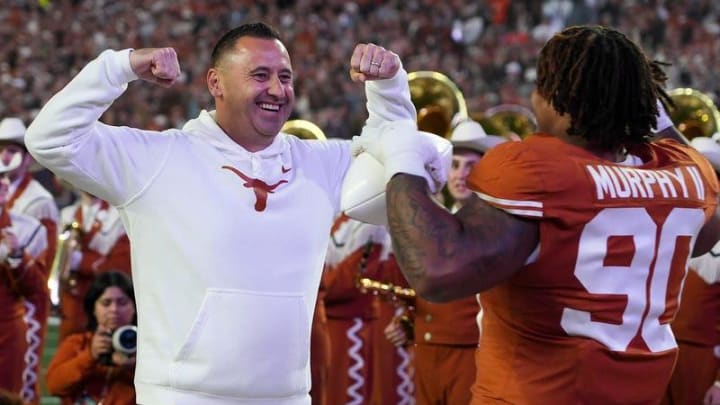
(604, 82)
(254, 29)
(102, 282)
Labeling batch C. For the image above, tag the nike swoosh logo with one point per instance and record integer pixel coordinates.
(284, 170)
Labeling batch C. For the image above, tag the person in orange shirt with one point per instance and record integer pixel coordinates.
(100, 244)
(579, 236)
(447, 334)
(85, 366)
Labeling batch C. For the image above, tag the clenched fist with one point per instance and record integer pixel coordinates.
(373, 62)
(156, 65)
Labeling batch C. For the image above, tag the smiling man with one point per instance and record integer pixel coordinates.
(228, 218)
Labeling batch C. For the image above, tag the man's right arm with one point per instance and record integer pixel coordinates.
(113, 163)
(445, 256)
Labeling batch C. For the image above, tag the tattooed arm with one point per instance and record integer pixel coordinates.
(446, 256)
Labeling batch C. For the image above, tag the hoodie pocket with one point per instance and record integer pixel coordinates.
(246, 345)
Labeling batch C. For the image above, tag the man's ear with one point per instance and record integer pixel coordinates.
(213, 83)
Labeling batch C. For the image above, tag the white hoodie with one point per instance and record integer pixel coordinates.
(225, 285)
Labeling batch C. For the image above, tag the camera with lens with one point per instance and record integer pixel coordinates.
(124, 340)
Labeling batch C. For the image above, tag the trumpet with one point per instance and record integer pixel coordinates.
(401, 296)
(61, 275)
(389, 290)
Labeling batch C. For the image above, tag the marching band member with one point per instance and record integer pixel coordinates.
(100, 244)
(23, 244)
(447, 334)
(356, 250)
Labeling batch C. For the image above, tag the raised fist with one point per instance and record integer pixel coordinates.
(373, 62)
(156, 65)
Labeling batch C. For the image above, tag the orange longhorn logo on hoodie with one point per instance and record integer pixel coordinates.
(260, 188)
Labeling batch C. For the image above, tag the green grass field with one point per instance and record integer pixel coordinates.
(51, 342)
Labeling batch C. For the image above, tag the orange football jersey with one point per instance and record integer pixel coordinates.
(587, 320)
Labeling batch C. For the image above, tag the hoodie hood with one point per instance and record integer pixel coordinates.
(264, 163)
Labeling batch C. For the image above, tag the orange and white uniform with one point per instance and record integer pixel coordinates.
(697, 331)
(356, 250)
(19, 336)
(394, 367)
(320, 356)
(102, 245)
(29, 197)
(587, 320)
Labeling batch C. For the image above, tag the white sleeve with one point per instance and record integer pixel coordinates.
(38, 242)
(707, 266)
(44, 208)
(389, 100)
(336, 161)
(113, 163)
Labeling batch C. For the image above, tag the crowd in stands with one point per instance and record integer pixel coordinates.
(487, 47)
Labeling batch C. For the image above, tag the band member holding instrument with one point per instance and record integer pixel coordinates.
(23, 244)
(355, 250)
(97, 243)
(447, 334)
(28, 197)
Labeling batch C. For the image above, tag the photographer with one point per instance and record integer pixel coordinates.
(90, 367)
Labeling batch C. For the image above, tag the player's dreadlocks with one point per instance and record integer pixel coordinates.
(604, 82)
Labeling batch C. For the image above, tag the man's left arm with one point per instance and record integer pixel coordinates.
(386, 84)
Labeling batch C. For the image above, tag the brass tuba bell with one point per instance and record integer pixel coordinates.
(303, 129)
(514, 118)
(694, 113)
(437, 101)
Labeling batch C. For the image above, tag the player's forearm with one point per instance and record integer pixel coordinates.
(423, 236)
(446, 256)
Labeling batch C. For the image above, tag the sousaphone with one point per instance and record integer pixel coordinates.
(303, 129)
(437, 101)
(694, 113)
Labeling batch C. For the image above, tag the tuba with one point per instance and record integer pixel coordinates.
(694, 113)
(61, 276)
(437, 101)
(514, 118)
(303, 129)
(491, 126)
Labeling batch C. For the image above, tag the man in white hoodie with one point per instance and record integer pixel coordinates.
(228, 218)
